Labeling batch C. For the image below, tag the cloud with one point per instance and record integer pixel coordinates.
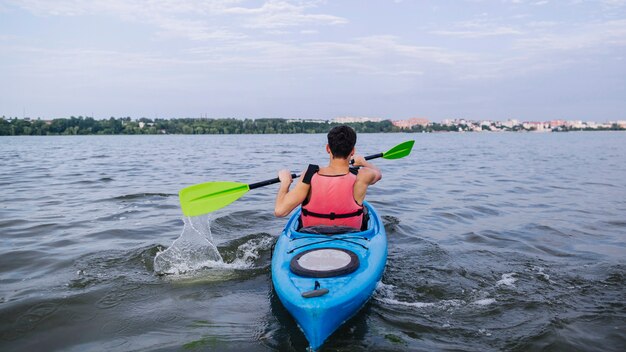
(190, 19)
(61, 63)
(528, 39)
(491, 32)
(547, 49)
(581, 37)
(478, 28)
(284, 35)
(371, 55)
(7, 37)
(614, 3)
(277, 14)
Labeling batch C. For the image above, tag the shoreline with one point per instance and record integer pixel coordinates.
(187, 126)
(305, 133)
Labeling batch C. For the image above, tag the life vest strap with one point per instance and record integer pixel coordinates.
(331, 216)
(310, 171)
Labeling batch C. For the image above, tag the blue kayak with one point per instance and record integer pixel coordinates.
(323, 277)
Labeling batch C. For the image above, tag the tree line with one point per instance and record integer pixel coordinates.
(87, 125)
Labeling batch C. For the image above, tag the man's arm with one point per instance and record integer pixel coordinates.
(287, 200)
(368, 175)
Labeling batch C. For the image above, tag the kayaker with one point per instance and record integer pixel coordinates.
(330, 195)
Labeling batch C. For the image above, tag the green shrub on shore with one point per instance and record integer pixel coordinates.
(87, 125)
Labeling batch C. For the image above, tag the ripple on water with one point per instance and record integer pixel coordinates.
(485, 210)
(141, 196)
(15, 263)
(616, 223)
(117, 295)
(106, 267)
(11, 223)
(92, 181)
(461, 290)
(25, 317)
(391, 224)
(123, 214)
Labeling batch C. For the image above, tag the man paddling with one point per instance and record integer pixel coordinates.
(330, 195)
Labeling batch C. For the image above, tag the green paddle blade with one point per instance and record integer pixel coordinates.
(399, 151)
(209, 196)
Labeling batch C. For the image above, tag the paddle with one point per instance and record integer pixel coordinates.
(210, 196)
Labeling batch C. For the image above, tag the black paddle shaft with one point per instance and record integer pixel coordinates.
(276, 180)
(370, 157)
(268, 182)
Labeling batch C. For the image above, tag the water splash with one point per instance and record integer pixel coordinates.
(248, 252)
(507, 280)
(385, 294)
(193, 250)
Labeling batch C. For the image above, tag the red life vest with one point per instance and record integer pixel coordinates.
(331, 200)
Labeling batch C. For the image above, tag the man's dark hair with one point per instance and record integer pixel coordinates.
(341, 140)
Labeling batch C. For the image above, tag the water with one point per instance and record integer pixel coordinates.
(496, 242)
(192, 251)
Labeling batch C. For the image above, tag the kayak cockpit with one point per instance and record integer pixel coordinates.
(294, 229)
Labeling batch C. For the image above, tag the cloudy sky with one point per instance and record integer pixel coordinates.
(477, 59)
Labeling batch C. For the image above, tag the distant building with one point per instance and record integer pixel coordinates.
(144, 124)
(534, 125)
(575, 124)
(410, 122)
(348, 119)
(455, 122)
(557, 123)
(509, 123)
(307, 120)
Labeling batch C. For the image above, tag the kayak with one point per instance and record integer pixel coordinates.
(324, 275)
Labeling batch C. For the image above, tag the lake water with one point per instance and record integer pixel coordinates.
(496, 242)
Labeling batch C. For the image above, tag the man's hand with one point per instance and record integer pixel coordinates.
(359, 160)
(287, 200)
(284, 176)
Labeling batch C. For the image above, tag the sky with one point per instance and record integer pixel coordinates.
(529, 60)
